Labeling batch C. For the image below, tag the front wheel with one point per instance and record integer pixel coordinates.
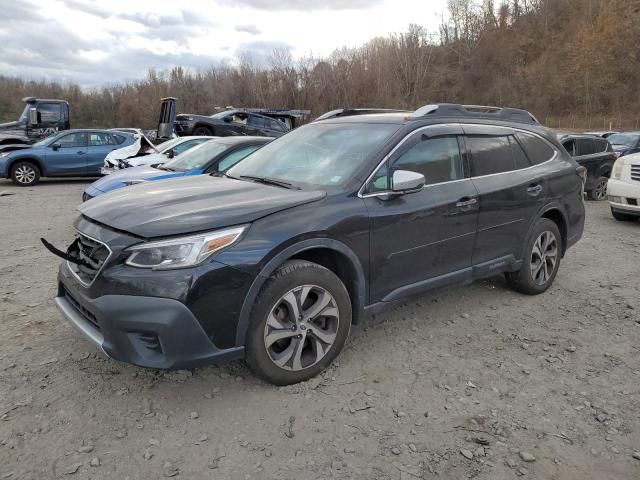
(541, 262)
(299, 323)
(25, 174)
(599, 191)
(202, 132)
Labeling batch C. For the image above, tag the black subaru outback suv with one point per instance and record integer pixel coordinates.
(276, 260)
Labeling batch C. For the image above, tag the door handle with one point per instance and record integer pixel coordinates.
(466, 202)
(80, 152)
(534, 190)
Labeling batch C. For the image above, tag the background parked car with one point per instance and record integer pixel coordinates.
(624, 188)
(214, 155)
(597, 156)
(603, 134)
(625, 143)
(230, 123)
(73, 153)
(155, 154)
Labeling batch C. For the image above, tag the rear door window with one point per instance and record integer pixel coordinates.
(537, 150)
(100, 139)
(494, 154)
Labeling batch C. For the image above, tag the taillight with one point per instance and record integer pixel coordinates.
(582, 173)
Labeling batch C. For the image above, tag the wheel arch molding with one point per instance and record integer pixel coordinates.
(38, 163)
(556, 213)
(357, 289)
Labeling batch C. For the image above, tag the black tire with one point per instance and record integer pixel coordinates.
(599, 191)
(201, 131)
(623, 217)
(25, 173)
(297, 275)
(523, 280)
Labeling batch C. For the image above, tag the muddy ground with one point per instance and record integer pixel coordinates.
(474, 382)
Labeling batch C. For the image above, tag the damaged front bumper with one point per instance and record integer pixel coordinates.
(146, 331)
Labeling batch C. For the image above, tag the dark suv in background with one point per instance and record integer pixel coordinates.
(230, 122)
(597, 156)
(275, 260)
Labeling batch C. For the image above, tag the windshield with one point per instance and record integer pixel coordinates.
(222, 114)
(317, 154)
(24, 116)
(164, 146)
(196, 158)
(626, 139)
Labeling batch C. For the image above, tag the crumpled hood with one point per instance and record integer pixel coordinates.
(191, 204)
(11, 125)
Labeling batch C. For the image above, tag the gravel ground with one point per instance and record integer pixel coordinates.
(474, 382)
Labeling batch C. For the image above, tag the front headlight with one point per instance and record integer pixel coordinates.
(616, 173)
(182, 252)
(3, 154)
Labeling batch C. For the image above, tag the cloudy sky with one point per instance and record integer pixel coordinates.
(96, 42)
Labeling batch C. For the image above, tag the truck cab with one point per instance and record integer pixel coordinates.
(40, 118)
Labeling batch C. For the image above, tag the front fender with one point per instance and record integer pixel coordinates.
(283, 256)
(29, 158)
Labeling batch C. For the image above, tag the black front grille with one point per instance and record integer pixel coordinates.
(86, 314)
(91, 255)
(635, 172)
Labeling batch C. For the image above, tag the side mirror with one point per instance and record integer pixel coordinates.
(55, 146)
(33, 116)
(405, 181)
(227, 119)
(170, 154)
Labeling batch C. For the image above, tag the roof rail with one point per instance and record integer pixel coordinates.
(347, 112)
(474, 111)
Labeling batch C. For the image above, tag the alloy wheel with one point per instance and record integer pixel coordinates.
(25, 174)
(601, 189)
(544, 257)
(301, 328)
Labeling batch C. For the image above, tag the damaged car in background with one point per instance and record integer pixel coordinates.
(245, 121)
(144, 152)
(214, 156)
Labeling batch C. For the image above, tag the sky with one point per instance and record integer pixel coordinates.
(94, 43)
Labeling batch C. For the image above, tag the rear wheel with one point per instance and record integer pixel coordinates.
(623, 217)
(202, 131)
(299, 323)
(599, 191)
(25, 174)
(542, 259)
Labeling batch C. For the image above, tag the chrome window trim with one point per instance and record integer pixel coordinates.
(84, 284)
(361, 193)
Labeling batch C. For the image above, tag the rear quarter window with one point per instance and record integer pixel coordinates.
(536, 149)
(119, 139)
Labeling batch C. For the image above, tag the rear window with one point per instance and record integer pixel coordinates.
(537, 150)
(587, 146)
(495, 154)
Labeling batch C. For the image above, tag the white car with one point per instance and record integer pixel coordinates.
(623, 189)
(143, 152)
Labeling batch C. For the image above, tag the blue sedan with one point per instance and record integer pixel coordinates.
(214, 156)
(72, 153)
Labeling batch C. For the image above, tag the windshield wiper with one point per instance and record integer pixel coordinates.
(270, 181)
